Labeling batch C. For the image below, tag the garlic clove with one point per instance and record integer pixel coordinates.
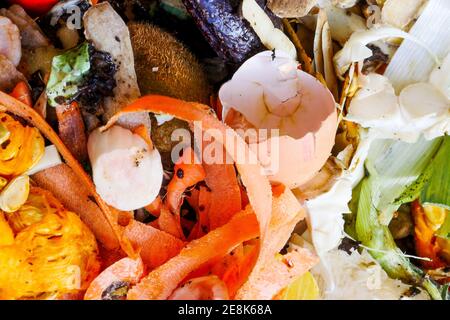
(126, 172)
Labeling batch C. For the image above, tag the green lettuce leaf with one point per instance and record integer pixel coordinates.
(437, 190)
(68, 71)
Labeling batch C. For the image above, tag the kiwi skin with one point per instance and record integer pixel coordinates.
(178, 74)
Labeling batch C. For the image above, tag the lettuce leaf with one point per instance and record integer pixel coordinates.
(68, 71)
(437, 191)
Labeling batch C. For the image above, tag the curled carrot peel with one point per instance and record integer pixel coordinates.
(155, 246)
(162, 281)
(223, 183)
(170, 222)
(258, 186)
(274, 224)
(154, 208)
(16, 107)
(199, 199)
(187, 173)
(125, 272)
(235, 268)
(270, 275)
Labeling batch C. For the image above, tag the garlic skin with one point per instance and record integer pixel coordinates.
(127, 174)
(271, 92)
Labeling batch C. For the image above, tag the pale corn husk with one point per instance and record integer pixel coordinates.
(318, 49)
(327, 52)
(343, 23)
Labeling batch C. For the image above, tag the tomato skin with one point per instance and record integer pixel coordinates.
(35, 7)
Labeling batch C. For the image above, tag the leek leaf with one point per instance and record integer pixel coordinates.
(445, 292)
(395, 169)
(437, 190)
(350, 218)
(413, 191)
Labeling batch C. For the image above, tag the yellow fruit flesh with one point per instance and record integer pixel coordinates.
(53, 252)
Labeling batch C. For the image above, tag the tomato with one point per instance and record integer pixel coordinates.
(35, 7)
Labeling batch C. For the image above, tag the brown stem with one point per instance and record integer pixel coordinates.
(302, 55)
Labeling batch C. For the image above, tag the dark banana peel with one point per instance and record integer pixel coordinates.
(229, 34)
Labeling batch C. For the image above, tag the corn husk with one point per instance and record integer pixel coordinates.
(327, 51)
(318, 48)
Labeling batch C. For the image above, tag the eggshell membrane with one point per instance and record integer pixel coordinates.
(307, 137)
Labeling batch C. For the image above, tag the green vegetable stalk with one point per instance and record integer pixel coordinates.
(397, 173)
(437, 190)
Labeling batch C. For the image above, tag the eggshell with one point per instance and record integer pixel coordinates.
(272, 93)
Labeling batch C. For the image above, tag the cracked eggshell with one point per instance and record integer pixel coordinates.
(272, 93)
(127, 173)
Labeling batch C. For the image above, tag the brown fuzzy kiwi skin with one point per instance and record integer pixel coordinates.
(178, 75)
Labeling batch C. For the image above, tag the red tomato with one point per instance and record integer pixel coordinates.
(36, 7)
